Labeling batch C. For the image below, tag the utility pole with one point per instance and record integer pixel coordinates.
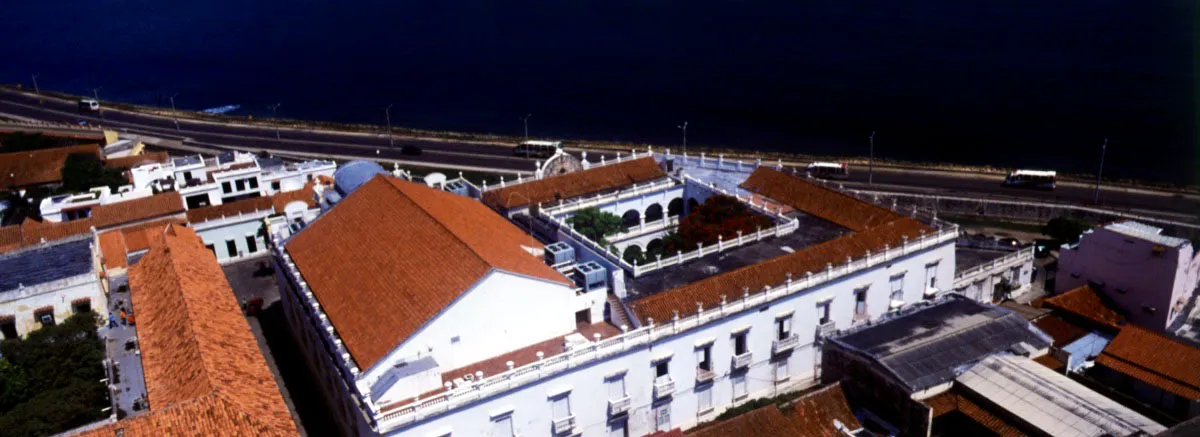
(37, 89)
(684, 127)
(871, 162)
(274, 111)
(526, 120)
(1103, 148)
(387, 113)
(175, 112)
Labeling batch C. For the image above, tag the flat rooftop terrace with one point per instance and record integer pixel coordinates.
(966, 258)
(812, 231)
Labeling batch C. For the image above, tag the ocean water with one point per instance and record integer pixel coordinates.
(1011, 83)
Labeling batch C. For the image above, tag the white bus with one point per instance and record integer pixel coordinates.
(1035, 179)
(537, 149)
(828, 170)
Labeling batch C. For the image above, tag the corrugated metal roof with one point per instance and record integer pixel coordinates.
(1146, 232)
(39, 265)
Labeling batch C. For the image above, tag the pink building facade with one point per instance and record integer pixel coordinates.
(1150, 276)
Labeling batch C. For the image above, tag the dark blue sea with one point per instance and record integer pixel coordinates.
(1029, 83)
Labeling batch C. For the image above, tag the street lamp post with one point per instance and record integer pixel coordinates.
(37, 89)
(684, 128)
(387, 113)
(871, 162)
(96, 96)
(1103, 148)
(526, 120)
(274, 111)
(174, 112)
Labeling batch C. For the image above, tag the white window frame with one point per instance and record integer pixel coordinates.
(704, 399)
(741, 387)
(498, 425)
(931, 275)
(896, 285)
(783, 327)
(559, 405)
(614, 383)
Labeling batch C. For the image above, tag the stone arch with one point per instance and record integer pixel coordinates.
(631, 218)
(654, 246)
(654, 212)
(675, 208)
(632, 253)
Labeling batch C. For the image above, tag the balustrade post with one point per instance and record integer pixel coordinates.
(828, 271)
(679, 256)
(739, 232)
(789, 281)
(720, 243)
(758, 232)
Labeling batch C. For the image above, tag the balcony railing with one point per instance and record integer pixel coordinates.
(619, 406)
(704, 376)
(741, 361)
(565, 425)
(826, 329)
(785, 344)
(664, 388)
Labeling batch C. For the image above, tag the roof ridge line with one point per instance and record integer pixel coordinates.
(220, 395)
(191, 323)
(439, 223)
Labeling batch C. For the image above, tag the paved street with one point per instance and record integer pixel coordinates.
(121, 347)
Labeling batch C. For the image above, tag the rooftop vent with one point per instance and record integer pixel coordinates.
(591, 275)
(559, 253)
(458, 187)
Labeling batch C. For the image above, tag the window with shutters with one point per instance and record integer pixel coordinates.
(704, 399)
(619, 428)
(616, 387)
(502, 426)
(783, 327)
(897, 286)
(739, 386)
(560, 407)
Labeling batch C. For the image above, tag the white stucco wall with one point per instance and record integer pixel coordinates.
(21, 303)
(530, 404)
(217, 235)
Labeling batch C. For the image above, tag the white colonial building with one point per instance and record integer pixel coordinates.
(44, 284)
(425, 314)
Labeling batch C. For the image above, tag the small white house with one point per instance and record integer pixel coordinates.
(43, 285)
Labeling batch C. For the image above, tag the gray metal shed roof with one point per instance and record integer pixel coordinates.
(935, 344)
(39, 265)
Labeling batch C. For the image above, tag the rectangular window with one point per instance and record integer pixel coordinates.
(241, 184)
(9, 328)
(823, 311)
(739, 386)
(860, 302)
(274, 185)
(897, 286)
(212, 248)
(781, 370)
(45, 317)
(187, 176)
(81, 305)
(226, 188)
(616, 387)
(704, 358)
(560, 407)
(253, 183)
(704, 399)
(739, 343)
(783, 327)
(231, 248)
(661, 370)
(251, 244)
(618, 428)
(931, 276)
(662, 418)
(502, 426)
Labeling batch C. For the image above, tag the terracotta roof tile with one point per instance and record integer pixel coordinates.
(131, 211)
(816, 412)
(392, 232)
(35, 232)
(1086, 303)
(952, 401)
(1062, 331)
(281, 200)
(203, 368)
(35, 167)
(10, 238)
(773, 272)
(1050, 362)
(112, 249)
(832, 205)
(767, 421)
(580, 183)
(140, 236)
(1154, 359)
(136, 160)
(209, 415)
(244, 206)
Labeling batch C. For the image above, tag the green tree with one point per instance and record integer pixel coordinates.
(1065, 229)
(82, 172)
(596, 224)
(50, 381)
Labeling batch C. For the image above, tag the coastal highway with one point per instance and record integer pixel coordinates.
(477, 155)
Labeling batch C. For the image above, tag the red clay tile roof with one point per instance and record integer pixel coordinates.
(136, 210)
(136, 160)
(282, 199)
(952, 401)
(767, 421)
(10, 238)
(1086, 303)
(1154, 359)
(773, 272)
(831, 205)
(816, 412)
(35, 232)
(1050, 362)
(244, 206)
(112, 249)
(1062, 331)
(391, 232)
(18, 169)
(580, 183)
(203, 368)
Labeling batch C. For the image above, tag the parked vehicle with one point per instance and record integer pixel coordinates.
(537, 149)
(828, 170)
(1032, 179)
(89, 105)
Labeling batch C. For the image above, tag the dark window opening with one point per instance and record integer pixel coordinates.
(81, 306)
(9, 329)
(241, 184)
(275, 185)
(211, 248)
(226, 188)
(46, 318)
(251, 245)
(231, 247)
(197, 201)
(705, 359)
(253, 183)
(660, 369)
(739, 344)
